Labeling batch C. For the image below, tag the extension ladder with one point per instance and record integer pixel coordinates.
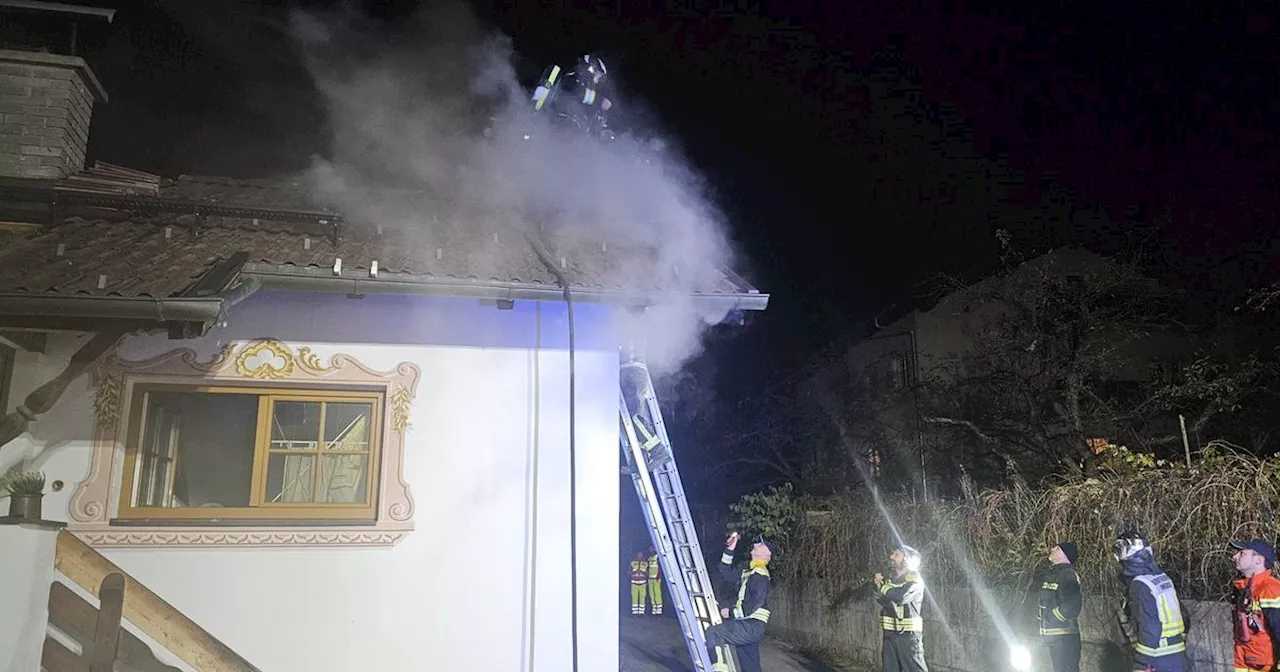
(652, 466)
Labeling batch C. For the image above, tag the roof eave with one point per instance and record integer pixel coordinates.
(295, 279)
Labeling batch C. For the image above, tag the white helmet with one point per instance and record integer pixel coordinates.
(1129, 544)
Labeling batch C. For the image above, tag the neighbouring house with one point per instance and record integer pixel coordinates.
(305, 443)
(908, 370)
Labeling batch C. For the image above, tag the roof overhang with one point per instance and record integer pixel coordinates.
(295, 278)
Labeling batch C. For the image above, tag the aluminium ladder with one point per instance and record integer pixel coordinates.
(652, 466)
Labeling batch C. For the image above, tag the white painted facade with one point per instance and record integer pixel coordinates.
(453, 594)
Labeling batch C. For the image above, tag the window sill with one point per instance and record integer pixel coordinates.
(242, 536)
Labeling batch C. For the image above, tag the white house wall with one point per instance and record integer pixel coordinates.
(452, 595)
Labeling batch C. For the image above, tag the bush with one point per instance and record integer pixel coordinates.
(1001, 537)
(775, 513)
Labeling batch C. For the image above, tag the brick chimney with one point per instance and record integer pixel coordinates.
(46, 102)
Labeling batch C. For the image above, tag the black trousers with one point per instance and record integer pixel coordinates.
(1064, 652)
(903, 652)
(744, 636)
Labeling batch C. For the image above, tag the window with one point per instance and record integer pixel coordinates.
(242, 453)
(897, 370)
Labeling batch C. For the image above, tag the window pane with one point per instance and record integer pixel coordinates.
(346, 426)
(343, 478)
(196, 450)
(295, 425)
(291, 478)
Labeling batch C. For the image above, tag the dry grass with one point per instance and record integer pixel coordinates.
(1002, 536)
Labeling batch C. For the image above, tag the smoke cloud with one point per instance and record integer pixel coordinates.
(433, 110)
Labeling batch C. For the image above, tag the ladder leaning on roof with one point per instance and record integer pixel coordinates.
(652, 466)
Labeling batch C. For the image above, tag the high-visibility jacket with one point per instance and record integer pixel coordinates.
(639, 571)
(1060, 602)
(654, 567)
(901, 599)
(1152, 618)
(1255, 621)
(754, 586)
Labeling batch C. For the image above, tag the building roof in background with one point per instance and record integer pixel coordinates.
(143, 251)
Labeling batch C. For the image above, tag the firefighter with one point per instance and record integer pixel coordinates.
(655, 583)
(575, 94)
(901, 598)
(1255, 602)
(743, 627)
(1060, 604)
(639, 577)
(1151, 617)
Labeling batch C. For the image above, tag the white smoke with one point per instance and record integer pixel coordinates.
(433, 109)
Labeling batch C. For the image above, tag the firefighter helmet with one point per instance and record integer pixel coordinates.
(594, 68)
(1129, 544)
(911, 557)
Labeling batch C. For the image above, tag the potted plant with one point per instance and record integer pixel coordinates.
(25, 492)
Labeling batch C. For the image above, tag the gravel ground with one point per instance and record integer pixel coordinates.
(654, 644)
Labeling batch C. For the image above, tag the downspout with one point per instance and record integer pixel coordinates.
(531, 500)
(573, 467)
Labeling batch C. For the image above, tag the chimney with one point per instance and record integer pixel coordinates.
(46, 98)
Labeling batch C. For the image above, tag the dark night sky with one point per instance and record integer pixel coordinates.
(1133, 105)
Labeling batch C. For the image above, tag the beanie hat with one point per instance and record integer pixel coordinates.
(1069, 550)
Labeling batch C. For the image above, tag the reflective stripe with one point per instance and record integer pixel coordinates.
(1170, 613)
(1269, 603)
(760, 614)
(589, 96)
(1166, 650)
(1049, 586)
(650, 440)
(910, 624)
(1167, 606)
(1058, 614)
(1058, 631)
(727, 557)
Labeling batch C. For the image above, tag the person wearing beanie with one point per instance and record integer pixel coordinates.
(1060, 604)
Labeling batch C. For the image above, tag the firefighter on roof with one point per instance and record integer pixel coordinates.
(1151, 617)
(655, 583)
(743, 627)
(1255, 602)
(639, 578)
(901, 598)
(1060, 604)
(573, 94)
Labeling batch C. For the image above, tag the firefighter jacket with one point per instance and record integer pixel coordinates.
(1152, 616)
(1060, 602)
(1255, 619)
(654, 567)
(639, 571)
(754, 586)
(900, 601)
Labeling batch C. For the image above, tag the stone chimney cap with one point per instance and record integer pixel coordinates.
(58, 61)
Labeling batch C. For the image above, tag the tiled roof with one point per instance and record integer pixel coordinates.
(162, 255)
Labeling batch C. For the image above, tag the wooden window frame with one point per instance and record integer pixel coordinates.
(258, 508)
(268, 366)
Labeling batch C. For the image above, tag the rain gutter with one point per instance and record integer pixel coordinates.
(294, 278)
(176, 309)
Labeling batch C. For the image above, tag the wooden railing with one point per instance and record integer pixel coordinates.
(105, 645)
(122, 599)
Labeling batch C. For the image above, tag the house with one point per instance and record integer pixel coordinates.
(305, 443)
(909, 371)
